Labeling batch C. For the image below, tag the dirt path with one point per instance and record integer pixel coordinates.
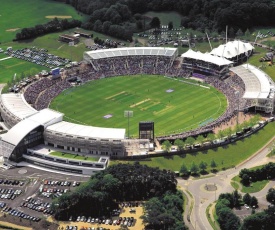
(233, 122)
(7, 224)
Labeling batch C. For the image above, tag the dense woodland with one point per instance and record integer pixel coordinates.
(121, 18)
(50, 27)
(117, 17)
(125, 182)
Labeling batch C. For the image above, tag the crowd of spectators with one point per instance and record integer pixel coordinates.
(47, 95)
(132, 65)
(234, 100)
(32, 91)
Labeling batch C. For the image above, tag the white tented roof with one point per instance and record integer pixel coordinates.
(206, 57)
(257, 85)
(72, 129)
(232, 49)
(16, 105)
(131, 51)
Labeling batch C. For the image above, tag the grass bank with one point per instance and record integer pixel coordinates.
(225, 157)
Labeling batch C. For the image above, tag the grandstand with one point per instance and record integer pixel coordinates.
(259, 88)
(130, 51)
(132, 60)
(205, 63)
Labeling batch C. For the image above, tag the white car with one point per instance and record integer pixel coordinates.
(246, 206)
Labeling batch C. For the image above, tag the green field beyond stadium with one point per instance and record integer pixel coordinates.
(173, 105)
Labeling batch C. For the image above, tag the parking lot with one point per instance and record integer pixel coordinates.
(244, 212)
(38, 56)
(26, 194)
(127, 218)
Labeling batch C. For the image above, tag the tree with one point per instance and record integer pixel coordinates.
(166, 145)
(213, 165)
(139, 24)
(231, 32)
(236, 198)
(106, 26)
(247, 198)
(239, 33)
(270, 196)
(220, 134)
(203, 166)
(194, 169)
(164, 212)
(272, 148)
(184, 171)
(200, 139)
(254, 202)
(98, 26)
(155, 23)
(255, 222)
(189, 141)
(179, 143)
(228, 132)
(170, 25)
(247, 34)
(210, 137)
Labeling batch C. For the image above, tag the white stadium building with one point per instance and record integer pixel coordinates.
(31, 125)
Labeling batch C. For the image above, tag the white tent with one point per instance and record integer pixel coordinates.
(232, 49)
(206, 57)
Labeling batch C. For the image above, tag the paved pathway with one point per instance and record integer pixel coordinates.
(202, 197)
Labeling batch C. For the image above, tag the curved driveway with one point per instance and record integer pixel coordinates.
(202, 197)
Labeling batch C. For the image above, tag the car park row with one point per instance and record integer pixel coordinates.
(38, 56)
(10, 194)
(122, 221)
(17, 213)
(11, 182)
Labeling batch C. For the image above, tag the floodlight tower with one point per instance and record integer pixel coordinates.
(128, 113)
(237, 93)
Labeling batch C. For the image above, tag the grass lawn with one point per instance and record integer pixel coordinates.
(208, 214)
(11, 66)
(51, 43)
(183, 109)
(74, 156)
(254, 187)
(18, 14)
(225, 157)
(254, 60)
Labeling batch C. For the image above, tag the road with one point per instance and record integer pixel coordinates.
(203, 197)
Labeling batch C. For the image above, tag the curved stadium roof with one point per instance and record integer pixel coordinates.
(257, 84)
(131, 51)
